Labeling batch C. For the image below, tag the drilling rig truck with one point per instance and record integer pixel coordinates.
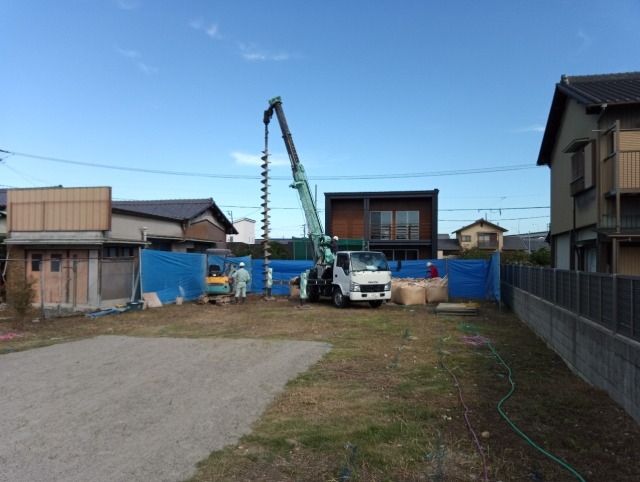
(345, 276)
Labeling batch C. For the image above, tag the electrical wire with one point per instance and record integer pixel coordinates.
(481, 170)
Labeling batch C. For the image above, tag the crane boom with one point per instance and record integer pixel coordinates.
(321, 242)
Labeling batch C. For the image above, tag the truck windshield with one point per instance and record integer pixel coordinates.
(367, 261)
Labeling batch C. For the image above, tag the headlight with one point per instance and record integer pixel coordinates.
(354, 287)
(387, 287)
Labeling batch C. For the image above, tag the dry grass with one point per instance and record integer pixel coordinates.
(383, 404)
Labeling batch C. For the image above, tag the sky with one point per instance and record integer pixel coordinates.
(164, 99)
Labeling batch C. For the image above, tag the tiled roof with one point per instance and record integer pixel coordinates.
(523, 243)
(513, 243)
(607, 89)
(3, 198)
(167, 208)
(448, 245)
(595, 92)
(482, 222)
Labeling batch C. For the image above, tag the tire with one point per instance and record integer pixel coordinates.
(339, 300)
(312, 294)
(375, 303)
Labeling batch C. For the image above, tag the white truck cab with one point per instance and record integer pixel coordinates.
(355, 276)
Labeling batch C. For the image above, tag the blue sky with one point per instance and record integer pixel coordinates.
(450, 95)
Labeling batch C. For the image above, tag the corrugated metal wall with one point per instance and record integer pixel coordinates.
(58, 209)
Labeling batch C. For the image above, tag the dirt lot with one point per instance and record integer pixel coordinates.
(402, 395)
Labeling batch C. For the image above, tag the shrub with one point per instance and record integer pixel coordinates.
(20, 296)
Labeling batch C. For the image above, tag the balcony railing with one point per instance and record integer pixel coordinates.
(626, 222)
(488, 244)
(399, 231)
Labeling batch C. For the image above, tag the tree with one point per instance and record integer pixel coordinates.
(541, 257)
(277, 250)
(475, 253)
(21, 295)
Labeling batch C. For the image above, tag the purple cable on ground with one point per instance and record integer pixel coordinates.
(466, 417)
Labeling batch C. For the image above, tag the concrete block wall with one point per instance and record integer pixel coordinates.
(601, 357)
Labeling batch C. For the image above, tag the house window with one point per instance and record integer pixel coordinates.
(117, 252)
(36, 259)
(488, 240)
(381, 224)
(407, 225)
(465, 238)
(582, 164)
(405, 254)
(56, 262)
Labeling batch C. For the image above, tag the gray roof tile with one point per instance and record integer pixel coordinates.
(166, 208)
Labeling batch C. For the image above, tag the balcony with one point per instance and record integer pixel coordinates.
(488, 244)
(400, 231)
(626, 222)
(627, 157)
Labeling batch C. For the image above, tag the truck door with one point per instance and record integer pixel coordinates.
(341, 272)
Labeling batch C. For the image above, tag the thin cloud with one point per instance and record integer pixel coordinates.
(585, 40)
(255, 54)
(531, 128)
(212, 31)
(147, 69)
(130, 54)
(135, 57)
(128, 4)
(243, 159)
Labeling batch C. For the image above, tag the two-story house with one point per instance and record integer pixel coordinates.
(481, 234)
(591, 145)
(401, 224)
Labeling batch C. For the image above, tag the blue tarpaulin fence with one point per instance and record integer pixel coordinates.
(183, 274)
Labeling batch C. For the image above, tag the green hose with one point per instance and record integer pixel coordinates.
(464, 327)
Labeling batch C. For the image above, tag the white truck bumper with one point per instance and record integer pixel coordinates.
(358, 296)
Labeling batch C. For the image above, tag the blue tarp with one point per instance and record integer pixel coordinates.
(173, 274)
(182, 274)
(283, 270)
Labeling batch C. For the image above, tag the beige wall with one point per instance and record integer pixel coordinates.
(59, 209)
(473, 231)
(575, 124)
(629, 261)
(128, 227)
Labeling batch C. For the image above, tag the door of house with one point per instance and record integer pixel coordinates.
(62, 276)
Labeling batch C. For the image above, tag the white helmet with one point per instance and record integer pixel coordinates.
(241, 264)
(335, 237)
(429, 263)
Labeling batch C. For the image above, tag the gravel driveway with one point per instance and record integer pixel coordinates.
(117, 408)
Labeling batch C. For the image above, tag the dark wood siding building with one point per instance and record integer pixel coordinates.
(402, 224)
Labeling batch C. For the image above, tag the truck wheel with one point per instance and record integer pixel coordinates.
(313, 295)
(375, 303)
(339, 300)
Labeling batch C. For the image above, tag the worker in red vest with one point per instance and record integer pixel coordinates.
(432, 271)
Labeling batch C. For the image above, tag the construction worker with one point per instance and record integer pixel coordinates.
(432, 271)
(334, 244)
(241, 277)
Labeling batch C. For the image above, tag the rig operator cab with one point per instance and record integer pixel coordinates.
(218, 281)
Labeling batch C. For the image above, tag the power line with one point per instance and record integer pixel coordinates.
(495, 209)
(482, 170)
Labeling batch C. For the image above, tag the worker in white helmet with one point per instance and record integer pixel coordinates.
(241, 277)
(334, 244)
